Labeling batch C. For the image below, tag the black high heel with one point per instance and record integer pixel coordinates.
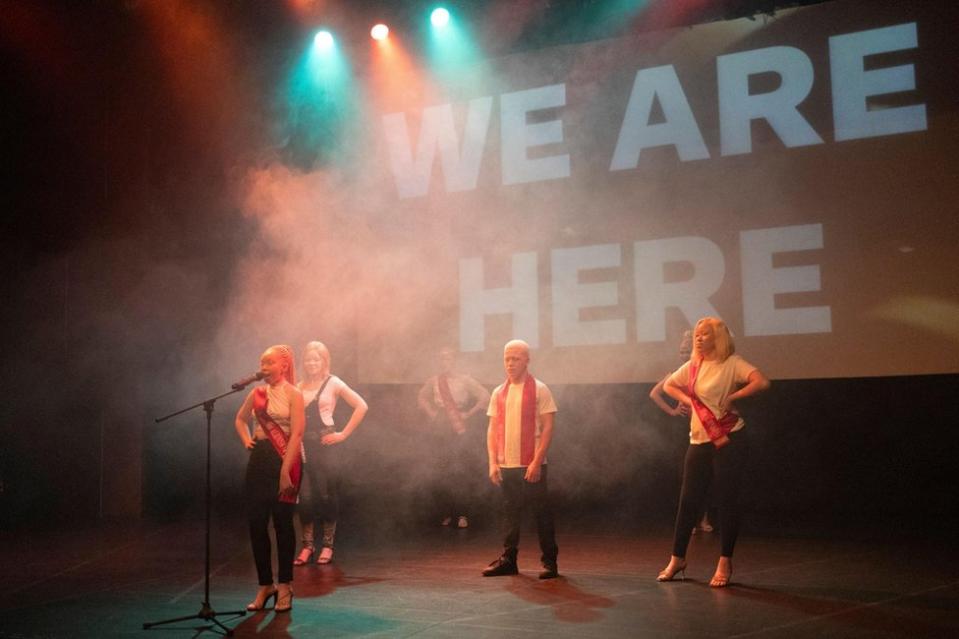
(260, 602)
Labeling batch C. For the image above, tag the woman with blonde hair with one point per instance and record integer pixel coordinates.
(709, 384)
(658, 395)
(273, 472)
(320, 391)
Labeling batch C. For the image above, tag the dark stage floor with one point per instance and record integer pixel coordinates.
(107, 582)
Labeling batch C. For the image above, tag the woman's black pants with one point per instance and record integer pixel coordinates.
(723, 468)
(262, 488)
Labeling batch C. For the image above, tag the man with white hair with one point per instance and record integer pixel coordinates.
(521, 412)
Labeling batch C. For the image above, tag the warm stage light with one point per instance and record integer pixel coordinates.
(380, 31)
(440, 17)
(323, 40)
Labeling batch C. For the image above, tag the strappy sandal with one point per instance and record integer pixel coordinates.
(305, 556)
(721, 579)
(668, 575)
(326, 555)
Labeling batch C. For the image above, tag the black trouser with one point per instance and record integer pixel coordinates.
(323, 502)
(723, 467)
(519, 494)
(262, 488)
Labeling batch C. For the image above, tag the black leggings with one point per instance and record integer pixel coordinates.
(704, 465)
(262, 487)
(321, 470)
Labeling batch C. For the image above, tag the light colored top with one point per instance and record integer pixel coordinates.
(715, 381)
(514, 419)
(277, 407)
(327, 400)
(464, 389)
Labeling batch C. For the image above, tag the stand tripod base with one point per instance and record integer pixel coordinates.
(206, 614)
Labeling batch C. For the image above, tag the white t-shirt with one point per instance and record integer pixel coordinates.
(514, 419)
(715, 381)
(327, 400)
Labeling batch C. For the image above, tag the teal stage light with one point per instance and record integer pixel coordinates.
(440, 17)
(323, 40)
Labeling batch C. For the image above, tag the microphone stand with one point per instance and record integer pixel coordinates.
(206, 610)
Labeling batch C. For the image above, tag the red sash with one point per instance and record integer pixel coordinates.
(527, 449)
(278, 438)
(452, 413)
(717, 429)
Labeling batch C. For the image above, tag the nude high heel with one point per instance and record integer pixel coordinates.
(721, 579)
(263, 595)
(284, 601)
(668, 575)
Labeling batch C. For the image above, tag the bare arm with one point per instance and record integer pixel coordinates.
(676, 391)
(241, 422)
(360, 409)
(755, 383)
(294, 446)
(658, 396)
(533, 471)
(494, 474)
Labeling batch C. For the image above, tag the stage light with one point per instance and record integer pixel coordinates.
(380, 31)
(323, 40)
(440, 17)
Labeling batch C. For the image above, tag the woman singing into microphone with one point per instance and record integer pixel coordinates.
(273, 472)
(709, 383)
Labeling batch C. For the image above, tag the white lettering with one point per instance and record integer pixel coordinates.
(680, 128)
(569, 296)
(761, 281)
(852, 85)
(518, 135)
(521, 300)
(437, 130)
(737, 108)
(654, 295)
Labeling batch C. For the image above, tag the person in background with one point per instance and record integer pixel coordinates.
(273, 472)
(449, 400)
(321, 500)
(710, 383)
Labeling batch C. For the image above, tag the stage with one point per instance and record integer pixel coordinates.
(107, 582)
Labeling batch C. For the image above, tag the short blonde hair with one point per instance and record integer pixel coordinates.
(517, 343)
(722, 338)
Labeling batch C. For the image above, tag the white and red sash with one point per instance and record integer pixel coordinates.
(527, 448)
(717, 429)
(452, 412)
(278, 438)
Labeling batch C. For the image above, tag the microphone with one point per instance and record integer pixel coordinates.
(249, 379)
